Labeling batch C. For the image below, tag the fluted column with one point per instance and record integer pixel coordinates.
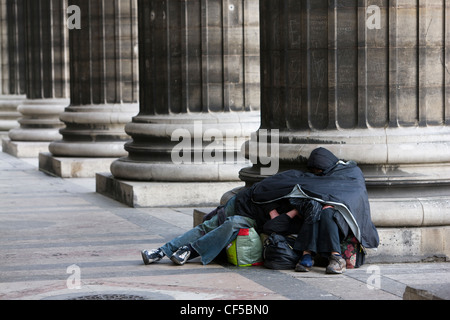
(104, 80)
(12, 63)
(199, 101)
(199, 71)
(369, 81)
(47, 76)
(378, 96)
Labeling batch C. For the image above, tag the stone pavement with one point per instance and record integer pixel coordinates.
(60, 240)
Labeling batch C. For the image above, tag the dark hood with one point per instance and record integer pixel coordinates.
(322, 159)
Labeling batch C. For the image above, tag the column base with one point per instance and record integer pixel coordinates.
(94, 131)
(65, 167)
(413, 223)
(163, 194)
(23, 149)
(401, 245)
(7, 125)
(108, 149)
(40, 120)
(127, 169)
(9, 115)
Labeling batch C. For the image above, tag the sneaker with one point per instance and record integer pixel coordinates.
(181, 256)
(337, 265)
(305, 264)
(152, 256)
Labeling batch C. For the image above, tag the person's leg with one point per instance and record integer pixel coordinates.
(307, 238)
(151, 256)
(211, 244)
(190, 236)
(199, 240)
(307, 243)
(329, 242)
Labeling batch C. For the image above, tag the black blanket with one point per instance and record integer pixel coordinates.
(342, 186)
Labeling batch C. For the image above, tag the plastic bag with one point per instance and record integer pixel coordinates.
(278, 252)
(246, 249)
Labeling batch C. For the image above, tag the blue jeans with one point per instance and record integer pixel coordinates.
(210, 238)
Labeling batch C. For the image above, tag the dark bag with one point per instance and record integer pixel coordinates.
(278, 252)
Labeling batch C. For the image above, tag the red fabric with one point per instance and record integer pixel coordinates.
(244, 232)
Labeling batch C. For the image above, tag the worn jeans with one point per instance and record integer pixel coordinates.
(210, 238)
(321, 237)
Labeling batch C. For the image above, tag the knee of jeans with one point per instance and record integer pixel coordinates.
(236, 221)
(230, 220)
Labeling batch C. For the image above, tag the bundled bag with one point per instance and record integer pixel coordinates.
(278, 252)
(246, 249)
(353, 252)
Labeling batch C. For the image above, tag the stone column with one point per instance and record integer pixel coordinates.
(199, 102)
(103, 91)
(12, 64)
(369, 81)
(47, 78)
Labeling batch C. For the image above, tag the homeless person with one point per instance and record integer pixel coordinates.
(333, 203)
(286, 195)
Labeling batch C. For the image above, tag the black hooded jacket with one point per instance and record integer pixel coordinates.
(341, 185)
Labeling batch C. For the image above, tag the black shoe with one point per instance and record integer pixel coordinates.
(181, 256)
(152, 256)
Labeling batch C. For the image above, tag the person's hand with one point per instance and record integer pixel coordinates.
(273, 214)
(292, 213)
